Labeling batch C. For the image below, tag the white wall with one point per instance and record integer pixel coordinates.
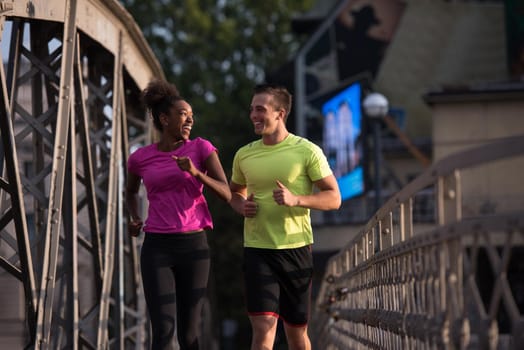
(459, 126)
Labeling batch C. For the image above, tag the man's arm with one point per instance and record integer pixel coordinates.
(327, 198)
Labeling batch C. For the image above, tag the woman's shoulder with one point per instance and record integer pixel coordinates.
(202, 146)
(202, 142)
(142, 151)
(199, 139)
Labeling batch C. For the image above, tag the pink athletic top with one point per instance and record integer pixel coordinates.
(176, 202)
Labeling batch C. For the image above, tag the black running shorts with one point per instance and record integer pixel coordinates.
(278, 283)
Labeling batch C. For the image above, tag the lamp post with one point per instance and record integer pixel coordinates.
(376, 107)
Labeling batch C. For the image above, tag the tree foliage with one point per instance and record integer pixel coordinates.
(215, 51)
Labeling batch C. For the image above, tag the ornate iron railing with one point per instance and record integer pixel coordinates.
(459, 285)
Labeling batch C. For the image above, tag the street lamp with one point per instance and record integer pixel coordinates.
(376, 107)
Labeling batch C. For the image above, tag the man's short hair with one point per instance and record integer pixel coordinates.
(281, 96)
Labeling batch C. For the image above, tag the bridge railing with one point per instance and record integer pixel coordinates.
(457, 285)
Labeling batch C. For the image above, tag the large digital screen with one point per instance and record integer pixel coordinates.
(342, 140)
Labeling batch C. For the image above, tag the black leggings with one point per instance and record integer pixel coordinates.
(175, 269)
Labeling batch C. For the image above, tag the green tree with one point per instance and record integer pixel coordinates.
(215, 51)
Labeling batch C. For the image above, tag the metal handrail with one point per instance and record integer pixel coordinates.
(393, 288)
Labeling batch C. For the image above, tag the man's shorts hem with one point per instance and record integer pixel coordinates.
(264, 313)
(274, 314)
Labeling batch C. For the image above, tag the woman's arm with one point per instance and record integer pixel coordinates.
(215, 179)
(135, 221)
(240, 201)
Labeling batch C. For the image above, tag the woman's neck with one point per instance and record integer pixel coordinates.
(167, 144)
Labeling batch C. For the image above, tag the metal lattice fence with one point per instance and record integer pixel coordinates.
(459, 285)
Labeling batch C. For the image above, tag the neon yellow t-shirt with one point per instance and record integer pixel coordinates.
(296, 163)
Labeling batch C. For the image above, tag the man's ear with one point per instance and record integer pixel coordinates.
(282, 114)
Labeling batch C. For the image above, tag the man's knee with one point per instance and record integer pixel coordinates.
(297, 338)
(264, 331)
(263, 324)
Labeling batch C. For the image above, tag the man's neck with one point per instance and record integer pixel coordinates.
(275, 138)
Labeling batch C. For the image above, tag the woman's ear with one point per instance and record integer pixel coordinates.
(163, 119)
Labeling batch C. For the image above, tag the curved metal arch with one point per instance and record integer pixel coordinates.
(106, 21)
(69, 114)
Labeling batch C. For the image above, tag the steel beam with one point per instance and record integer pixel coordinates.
(68, 117)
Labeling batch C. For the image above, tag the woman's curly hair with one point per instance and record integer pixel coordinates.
(159, 96)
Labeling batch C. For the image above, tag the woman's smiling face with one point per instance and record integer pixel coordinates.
(180, 120)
